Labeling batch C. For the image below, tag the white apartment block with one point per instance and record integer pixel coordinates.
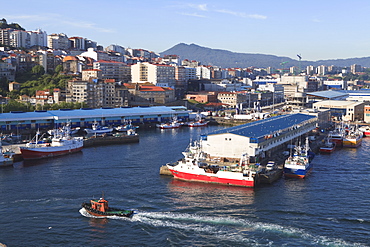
(96, 55)
(116, 48)
(58, 41)
(310, 70)
(322, 70)
(27, 39)
(113, 70)
(158, 74)
(203, 72)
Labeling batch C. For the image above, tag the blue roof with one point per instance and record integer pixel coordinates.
(267, 126)
(64, 114)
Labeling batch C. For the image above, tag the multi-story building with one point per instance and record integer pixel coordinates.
(58, 41)
(171, 59)
(36, 38)
(48, 60)
(71, 64)
(202, 97)
(7, 70)
(343, 109)
(188, 63)
(91, 73)
(203, 72)
(356, 68)
(77, 43)
(232, 99)
(113, 70)
(147, 94)
(20, 38)
(310, 70)
(96, 93)
(158, 74)
(96, 55)
(322, 70)
(190, 73)
(5, 36)
(116, 48)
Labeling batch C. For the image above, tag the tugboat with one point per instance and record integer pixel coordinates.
(100, 208)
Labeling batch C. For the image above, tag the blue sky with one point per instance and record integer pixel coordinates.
(316, 29)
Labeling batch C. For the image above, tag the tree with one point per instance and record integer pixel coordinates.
(58, 69)
(38, 70)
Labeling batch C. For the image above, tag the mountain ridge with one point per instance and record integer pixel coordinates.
(229, 59)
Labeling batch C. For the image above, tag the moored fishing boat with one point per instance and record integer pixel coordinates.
(195, 167)
(198, 122)
(101, 208)
(299, 164)
(6, 158)
(353, 138)
(97, 129)
(365, 130)
(126, 127)
(173, 124)
(61, 143)
(337, 135)
(328, 146)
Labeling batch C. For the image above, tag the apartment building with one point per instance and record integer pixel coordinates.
(113, 70)
(95, 55)
(78, 43)
(159, 74)
(232, 99)
(97, 93)
(148, 94)
(58, 41)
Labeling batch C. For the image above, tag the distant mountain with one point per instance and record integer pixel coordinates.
(228, 59)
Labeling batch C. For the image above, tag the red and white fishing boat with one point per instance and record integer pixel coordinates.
(365, 130)
(195, 167)
(174, 124)
(61, 143)
(328, 146)
(198, 122)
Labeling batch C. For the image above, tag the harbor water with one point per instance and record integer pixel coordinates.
(41, 200)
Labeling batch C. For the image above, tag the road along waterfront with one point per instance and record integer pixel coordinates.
(42, 199)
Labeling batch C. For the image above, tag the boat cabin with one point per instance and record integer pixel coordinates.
(100, 205)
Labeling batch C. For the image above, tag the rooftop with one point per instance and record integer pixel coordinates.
(266, 126)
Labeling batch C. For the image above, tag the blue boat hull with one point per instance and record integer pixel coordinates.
(297, 173)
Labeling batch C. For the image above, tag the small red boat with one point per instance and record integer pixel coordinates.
(100, 208)
(329, 145)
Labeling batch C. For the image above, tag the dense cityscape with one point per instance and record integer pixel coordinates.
(260, 148)
(41, 71)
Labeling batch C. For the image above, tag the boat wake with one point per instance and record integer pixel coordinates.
(231, 229)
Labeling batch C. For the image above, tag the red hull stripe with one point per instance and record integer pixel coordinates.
(30, 154)
(211, 179)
